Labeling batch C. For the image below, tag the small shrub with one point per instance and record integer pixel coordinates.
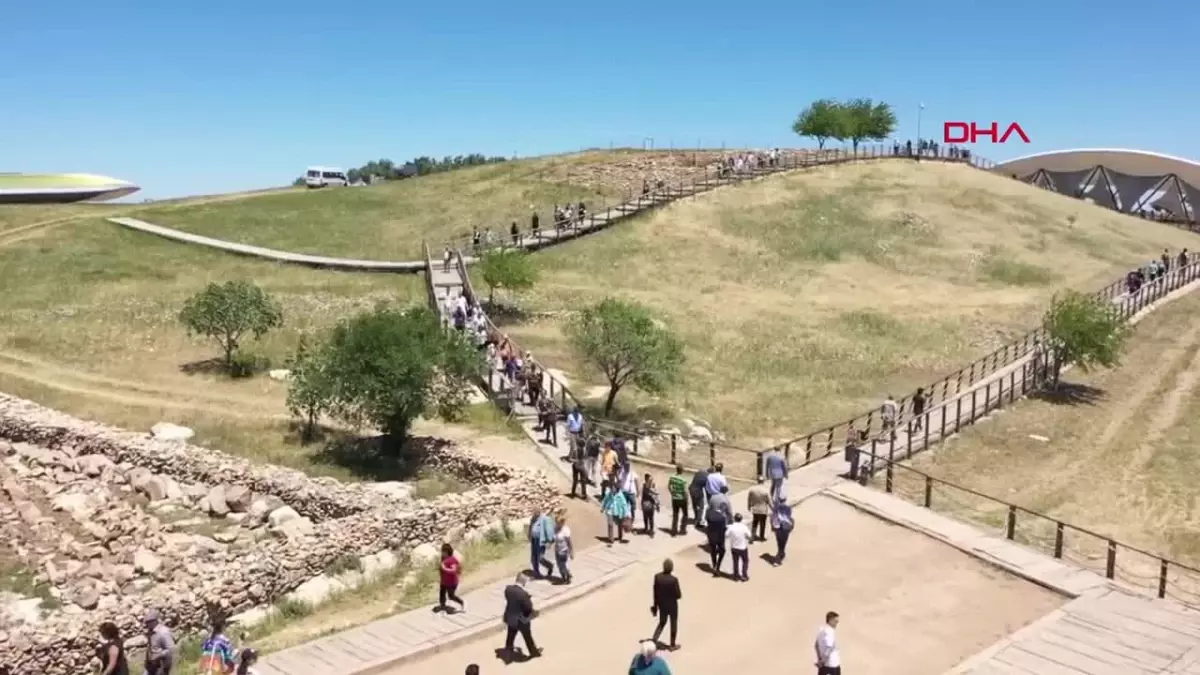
(291, 608)
(507, 531)
(247, 364)
(496, 537)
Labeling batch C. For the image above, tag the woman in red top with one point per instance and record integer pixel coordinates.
(451, 569)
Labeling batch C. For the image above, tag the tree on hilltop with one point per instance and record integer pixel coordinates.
(864, 119)
(1084, 330)
(509, 269)
(821, 120)
(628, 346)
(227, 312)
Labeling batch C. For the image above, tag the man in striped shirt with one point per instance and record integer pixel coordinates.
(677, 486)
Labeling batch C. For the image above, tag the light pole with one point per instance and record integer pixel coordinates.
(920, 109)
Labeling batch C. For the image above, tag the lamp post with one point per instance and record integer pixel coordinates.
(920, 109)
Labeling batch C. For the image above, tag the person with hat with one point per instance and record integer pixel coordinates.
(160, 648)
(246, 662)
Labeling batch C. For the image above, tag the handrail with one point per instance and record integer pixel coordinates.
(951, 387)
(557, 391)
(429, 289)
(1061, 529)
(789, 160)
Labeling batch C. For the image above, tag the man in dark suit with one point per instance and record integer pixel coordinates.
(666, 601)
(518, 614)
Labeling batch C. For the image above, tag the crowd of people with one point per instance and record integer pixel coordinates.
(218, 653)
(1154, 270)
(929, 148)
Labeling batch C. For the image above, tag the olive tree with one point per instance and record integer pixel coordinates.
(627, 345)
(1084, 330)
(228, 312)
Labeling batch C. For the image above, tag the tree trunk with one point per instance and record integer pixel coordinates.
(611, 400)
(491, 296)
(820, 143)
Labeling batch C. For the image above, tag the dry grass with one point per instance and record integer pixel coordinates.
(1120, 458)
(390, 221)
(804, 298)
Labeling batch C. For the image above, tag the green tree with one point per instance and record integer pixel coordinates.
(1084, 330)
(388, 366)
(821, 120)
(627, 345)
(509, 269)
(310, 389)
(864, 119)
(227, 312)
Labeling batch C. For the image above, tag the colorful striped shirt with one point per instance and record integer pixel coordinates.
(216, 656)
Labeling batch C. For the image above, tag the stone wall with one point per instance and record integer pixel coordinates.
(348, 518)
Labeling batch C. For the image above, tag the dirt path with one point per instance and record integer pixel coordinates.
(876, 575)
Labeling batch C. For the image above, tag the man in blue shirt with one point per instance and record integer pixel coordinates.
(776, 470)
(716, 480)
(575, 427)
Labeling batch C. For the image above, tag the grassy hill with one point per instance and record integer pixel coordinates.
(805, 298)
(802, 298)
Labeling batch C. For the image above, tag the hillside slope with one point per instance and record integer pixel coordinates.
(807, 297)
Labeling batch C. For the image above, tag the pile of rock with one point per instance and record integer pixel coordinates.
(118, 522)
(688, 435)
(625, 175)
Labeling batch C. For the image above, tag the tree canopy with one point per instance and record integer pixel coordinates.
(228, 312)
(417, 166)
(855, 120)
(509, 269)
(628, 346)
(821, 120)
(386, 367)
(1085, 330)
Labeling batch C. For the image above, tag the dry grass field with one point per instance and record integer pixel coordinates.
(1115, 451)
(802, 297)
(805, 298)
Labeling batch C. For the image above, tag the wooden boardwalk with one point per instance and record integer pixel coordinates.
(1105, 632)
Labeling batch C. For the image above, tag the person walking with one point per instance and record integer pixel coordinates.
(615, 508)
(541, 535)
(449, 575)
(575, 427)
(678, 488)
(564, 548)
(758, 503)
(608, 470)
(246, 661)
(717, 522)
(775, 468)
(629, 485)
(592, 451)
(648, 662)
(918, 408)
(111, 651)
(667, 595)
(781, 524)
(889, 413)
(699, 497)
(518, 618)
(739, 548)
(721, 504)
(160, 648)
(217, 653)
(650, 504)
(579, 474)
(829, 659)
(715, 480)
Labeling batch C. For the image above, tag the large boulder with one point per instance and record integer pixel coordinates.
(146, 562)
(215, 501)
(238, 498)
(165, 431)
(95, 465)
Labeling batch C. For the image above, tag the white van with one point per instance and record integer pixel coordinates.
(324, 176)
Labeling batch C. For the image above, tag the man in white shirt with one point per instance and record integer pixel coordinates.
(890, 414)
(829, 660)
(739, 545)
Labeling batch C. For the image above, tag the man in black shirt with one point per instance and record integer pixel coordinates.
(518, 615)
(666, 602)
(918, 408)
(699, 498)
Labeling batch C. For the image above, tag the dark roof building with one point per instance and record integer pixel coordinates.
(1129, 181)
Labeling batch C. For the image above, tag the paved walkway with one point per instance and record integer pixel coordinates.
(1105, 630)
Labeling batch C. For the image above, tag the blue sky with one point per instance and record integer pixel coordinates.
(193, 97)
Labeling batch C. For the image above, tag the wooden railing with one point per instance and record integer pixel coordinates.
(1146, 571)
